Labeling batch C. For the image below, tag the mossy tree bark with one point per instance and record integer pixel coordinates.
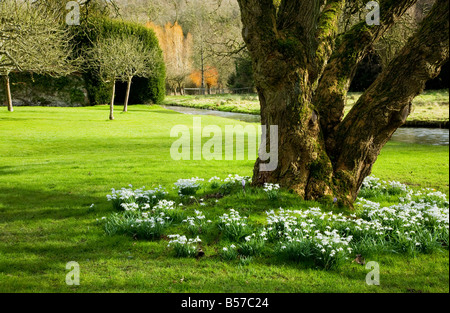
(303, 70)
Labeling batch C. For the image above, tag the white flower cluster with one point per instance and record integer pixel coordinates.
(130, 207)
(233, 218)
(199, 216)
(183, 246)
(426, 195)
(371, 182)
(286, 222)
(187, 187)
(262, 236)
(141, 225)
(398, 186)
(329, 241)
(214, 179)
(374, 183)
(182, 240)
(197, 223)
(331, 245)
(232, 247)
(184, 183)
(270, 187)
(137, 194)
(153, 221)
(230, 183)
(165, 205)
(143, 198)
(327, 247)
(272, 191)
(410, 215)
(122, 194)
(229, 253)
(282, 223)
(436, 194)
(233, 179)
(233, 225)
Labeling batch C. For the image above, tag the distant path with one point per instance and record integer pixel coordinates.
(427, 136)
(430, 110)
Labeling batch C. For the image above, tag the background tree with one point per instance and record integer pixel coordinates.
(107, 57)
(209, 77)
(138, 61)
(303, 68)
(120, 58)
(200, 24)
(214, 27)
(177, 50)
(392, 41)
(243, 74)
(145, 90)
(33, 40)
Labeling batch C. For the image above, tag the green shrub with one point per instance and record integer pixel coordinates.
(145, 90)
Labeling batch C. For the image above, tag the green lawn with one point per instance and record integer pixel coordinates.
(56, 162)
(432, 105)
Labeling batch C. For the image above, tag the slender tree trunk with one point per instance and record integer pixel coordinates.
(203, 71)
(127, 97)
(180, 86)
(111, 107)
(8, 94)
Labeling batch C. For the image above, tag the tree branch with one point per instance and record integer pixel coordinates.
(386, 105)
(259, 23)
(327, 30)
(331, 94)
(299, 18)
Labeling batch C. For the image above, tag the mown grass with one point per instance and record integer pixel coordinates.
(431, 106)
(56, 162)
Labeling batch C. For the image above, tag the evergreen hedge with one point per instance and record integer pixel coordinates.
(144, 90)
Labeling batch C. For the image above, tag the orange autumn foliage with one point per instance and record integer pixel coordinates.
(211, 77)
(177, 50)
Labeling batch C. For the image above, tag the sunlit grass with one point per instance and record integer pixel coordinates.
(57, 162)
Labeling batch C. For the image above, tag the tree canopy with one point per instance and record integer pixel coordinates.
(32, 39)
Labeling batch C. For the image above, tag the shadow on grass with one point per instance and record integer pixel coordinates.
(31, 205)
(10, 170)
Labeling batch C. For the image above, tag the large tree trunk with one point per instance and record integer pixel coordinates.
(303, 164)
(8, 94)
(111, 106)
(127, 96)
(302, 85)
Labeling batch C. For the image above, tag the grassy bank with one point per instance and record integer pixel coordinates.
(430, 109)
(57, 162)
